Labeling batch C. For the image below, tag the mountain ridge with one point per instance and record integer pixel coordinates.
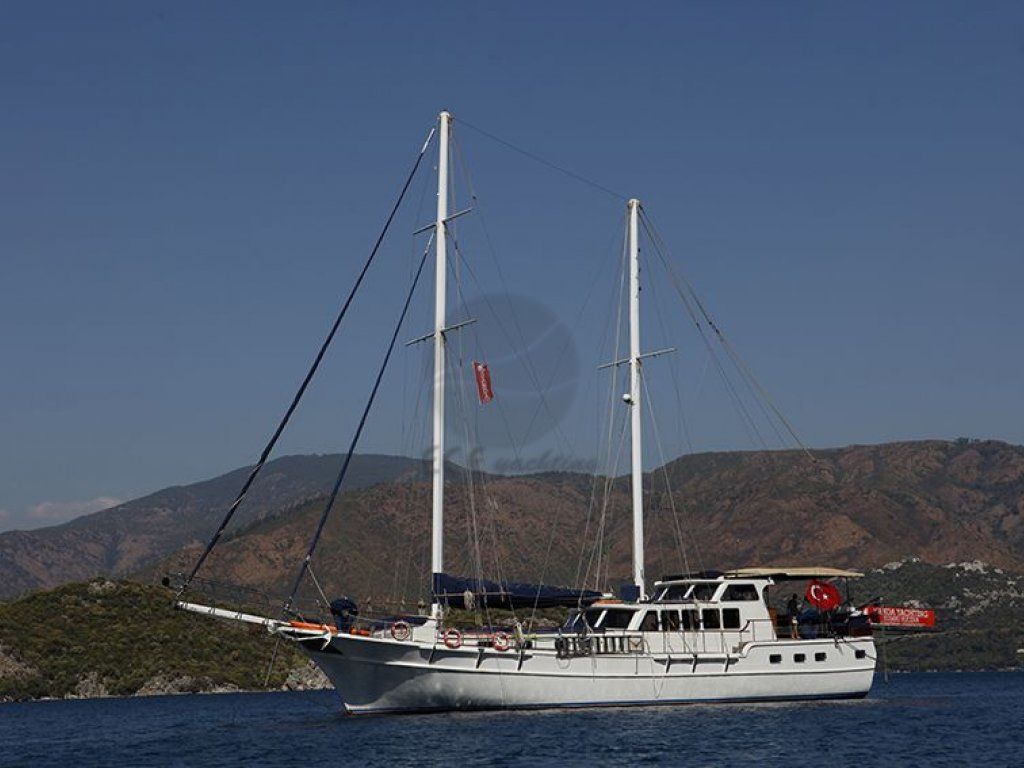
(859, 505)
(131, 535)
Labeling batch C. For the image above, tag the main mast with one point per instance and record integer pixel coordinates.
(440, 301)
(636, 413)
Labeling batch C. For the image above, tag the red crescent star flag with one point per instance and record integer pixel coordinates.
(483, 382)
(823, 595)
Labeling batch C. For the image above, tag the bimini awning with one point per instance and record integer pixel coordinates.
(798, 573)
(454, 591)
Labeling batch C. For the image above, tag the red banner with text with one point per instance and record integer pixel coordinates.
(906, 618)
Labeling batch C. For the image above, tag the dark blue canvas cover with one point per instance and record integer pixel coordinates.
(451, 590)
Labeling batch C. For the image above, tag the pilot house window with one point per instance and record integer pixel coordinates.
(650, 622)
(704, 592)
(675, 593)
(616, 618)
(731, 618)
(711, 618)
(740, 593)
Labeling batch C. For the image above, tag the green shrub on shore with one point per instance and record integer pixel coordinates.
(117, 637)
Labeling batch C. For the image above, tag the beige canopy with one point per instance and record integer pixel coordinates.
(794, 573)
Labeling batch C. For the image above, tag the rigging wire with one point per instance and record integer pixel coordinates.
(492, 501)
(521, 349)
(599, 553)
(611, 414)
(684, 427)
(472, 439)
(678, 528)
(310, 373)
(749, 425)
(472, 471)
(542, 401)
(745, 372)
(513, 443)
(409, 425)
(542, 161)
(358, 433)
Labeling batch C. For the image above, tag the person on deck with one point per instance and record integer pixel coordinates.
(793, 608)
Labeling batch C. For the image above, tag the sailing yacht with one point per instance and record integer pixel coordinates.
(694, 637)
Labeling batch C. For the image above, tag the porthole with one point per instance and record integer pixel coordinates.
(799, 658)
(775, 658)
(819, 656)
(860, 654)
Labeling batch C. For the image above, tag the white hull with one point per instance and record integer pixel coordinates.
(376, 675)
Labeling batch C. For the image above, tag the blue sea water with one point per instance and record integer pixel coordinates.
(921, 719)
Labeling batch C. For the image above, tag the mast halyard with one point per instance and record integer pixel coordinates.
(636, 412)
(440, 302)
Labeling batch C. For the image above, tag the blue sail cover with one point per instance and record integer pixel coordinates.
(451, 590)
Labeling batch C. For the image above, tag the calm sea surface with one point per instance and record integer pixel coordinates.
(926, 719)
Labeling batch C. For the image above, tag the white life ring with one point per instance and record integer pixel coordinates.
(501, 641)
(400, 631)
(452, 638)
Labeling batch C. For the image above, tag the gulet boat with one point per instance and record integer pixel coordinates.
(709, 636)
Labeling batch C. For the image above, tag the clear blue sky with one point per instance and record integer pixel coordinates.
(187, 189)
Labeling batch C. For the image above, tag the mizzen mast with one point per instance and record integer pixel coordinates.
(440, 302)
(636, 412)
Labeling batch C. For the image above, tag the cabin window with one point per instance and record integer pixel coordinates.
(799, 658)
(775, 658)
(711, 619)
(704, 591)
(690, 621)
(650, 622)
(674, 593)
(819, 656)
(616, 618)
(740, 593)
(593, 615)
(731, 618)
(670, 621)
(859, 654)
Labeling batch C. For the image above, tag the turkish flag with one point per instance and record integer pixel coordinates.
(823, 595)
(483, 382)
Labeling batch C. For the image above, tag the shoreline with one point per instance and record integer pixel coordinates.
(221, 690)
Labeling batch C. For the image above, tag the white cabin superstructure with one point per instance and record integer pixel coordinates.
(694, 638)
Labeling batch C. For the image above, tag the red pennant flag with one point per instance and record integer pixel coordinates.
(823, 595)
(483, 382)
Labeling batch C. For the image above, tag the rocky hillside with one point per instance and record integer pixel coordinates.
(979, 607)
(115, 638)
(860, 507)
(135, 534)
